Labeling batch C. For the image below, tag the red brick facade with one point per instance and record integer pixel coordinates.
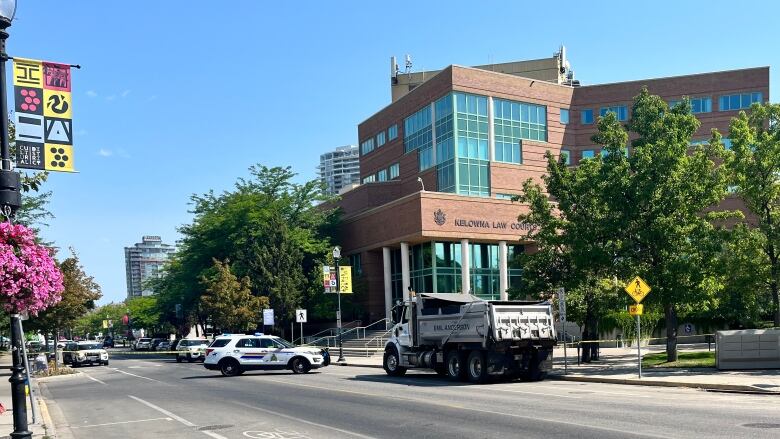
(384, 214)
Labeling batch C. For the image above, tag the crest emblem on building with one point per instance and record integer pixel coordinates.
(439, 217)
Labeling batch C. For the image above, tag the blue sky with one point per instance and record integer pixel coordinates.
(179, 97)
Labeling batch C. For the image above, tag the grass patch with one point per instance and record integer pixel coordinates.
(684, 359)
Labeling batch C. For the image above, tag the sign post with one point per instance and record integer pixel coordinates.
(562, 316)
(637, 289)
(300, 317)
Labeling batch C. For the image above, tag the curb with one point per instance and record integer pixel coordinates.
(375, 366)
(48, 424)
(636, 382)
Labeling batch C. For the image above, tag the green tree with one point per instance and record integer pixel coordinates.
(272, 232)
(229, 301)
(755, 165)
(79, 296)
(673, 242)
(745, 272)
(145, 314)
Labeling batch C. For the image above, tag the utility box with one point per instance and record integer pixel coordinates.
(748, 349)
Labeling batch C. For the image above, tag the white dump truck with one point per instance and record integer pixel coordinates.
(468, 338)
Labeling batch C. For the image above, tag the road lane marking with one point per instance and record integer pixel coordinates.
(293, 418)
(139, 376)
(454, 406)
(122, 422)
(94, 379)
(176, 417)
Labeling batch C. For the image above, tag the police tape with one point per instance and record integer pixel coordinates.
(617, 340)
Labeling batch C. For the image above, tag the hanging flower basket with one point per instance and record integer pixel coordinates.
(30, 280)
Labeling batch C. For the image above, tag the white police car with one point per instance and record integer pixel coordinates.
(234, 354)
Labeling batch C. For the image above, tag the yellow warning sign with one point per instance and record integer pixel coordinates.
(345, 279)
(637, 289)
(636, 310)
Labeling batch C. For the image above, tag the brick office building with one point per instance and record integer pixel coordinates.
(439, 164)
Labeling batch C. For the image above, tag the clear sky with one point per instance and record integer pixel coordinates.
(178, 97)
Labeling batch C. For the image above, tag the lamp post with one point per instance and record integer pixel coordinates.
(10, 200)
(336, 258)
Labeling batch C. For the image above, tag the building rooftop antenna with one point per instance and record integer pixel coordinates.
(408, 64)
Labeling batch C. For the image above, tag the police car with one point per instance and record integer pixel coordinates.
(234, 354)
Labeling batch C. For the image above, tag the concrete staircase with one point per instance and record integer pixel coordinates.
(363, 341)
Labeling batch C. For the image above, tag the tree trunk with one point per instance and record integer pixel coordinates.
(589, 332)
(671, 332)
(773, 286)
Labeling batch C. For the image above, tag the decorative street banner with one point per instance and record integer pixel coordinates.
(44, 115)
(329, 279)
(345, 279)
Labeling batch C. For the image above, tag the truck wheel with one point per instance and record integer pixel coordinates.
(477, 367)
(391, 363)
(456, 370)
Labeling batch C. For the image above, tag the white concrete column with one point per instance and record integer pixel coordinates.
(388, 281)
(503, 271)
(465, 265)
(491, 131)
(433, 134)
(405, 281)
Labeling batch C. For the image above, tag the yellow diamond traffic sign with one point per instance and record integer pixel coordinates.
(637, 289)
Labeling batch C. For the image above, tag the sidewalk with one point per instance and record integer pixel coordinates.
(43, 428)
(619, 366)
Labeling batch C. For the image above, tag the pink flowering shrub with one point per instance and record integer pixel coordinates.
(29, 279)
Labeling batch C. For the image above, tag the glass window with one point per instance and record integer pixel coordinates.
(566, 156)
(394, 171)
(367, 146)
(392, 132)
(621, 111)
(369, 179)
(739, 101)
(380, 139)
(248, 343)
(356, 263)
(219, 343)
(381, 175)
(586, 116)
(514, 122)
(564, 116)
(588, 154)
(698, 105)
(417, 130)
(504, 196)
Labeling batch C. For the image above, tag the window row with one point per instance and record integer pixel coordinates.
(698, 105)
(740, 101)
(390, 173)
(380, 139)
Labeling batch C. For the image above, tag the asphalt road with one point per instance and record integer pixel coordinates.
(158, 398)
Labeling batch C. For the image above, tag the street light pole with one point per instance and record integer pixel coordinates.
(336, 258)
(10, 201)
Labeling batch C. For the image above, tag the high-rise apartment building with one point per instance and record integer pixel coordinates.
(340, 168)
(440, 164)
(143, 261)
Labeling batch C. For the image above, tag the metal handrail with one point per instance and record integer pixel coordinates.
(332, 330)
(377, 338)
(363, 328)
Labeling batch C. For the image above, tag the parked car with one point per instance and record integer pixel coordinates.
(143, 344)
(164, 345)
(108, 342)
(154, 343)
(89, 353)
(68, 351)
(191, 349)
(62, 343)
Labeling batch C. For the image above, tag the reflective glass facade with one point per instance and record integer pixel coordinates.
(739, 101)
(435, 267)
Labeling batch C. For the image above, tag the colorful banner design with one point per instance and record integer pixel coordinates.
(344, 282)
(44, 115)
